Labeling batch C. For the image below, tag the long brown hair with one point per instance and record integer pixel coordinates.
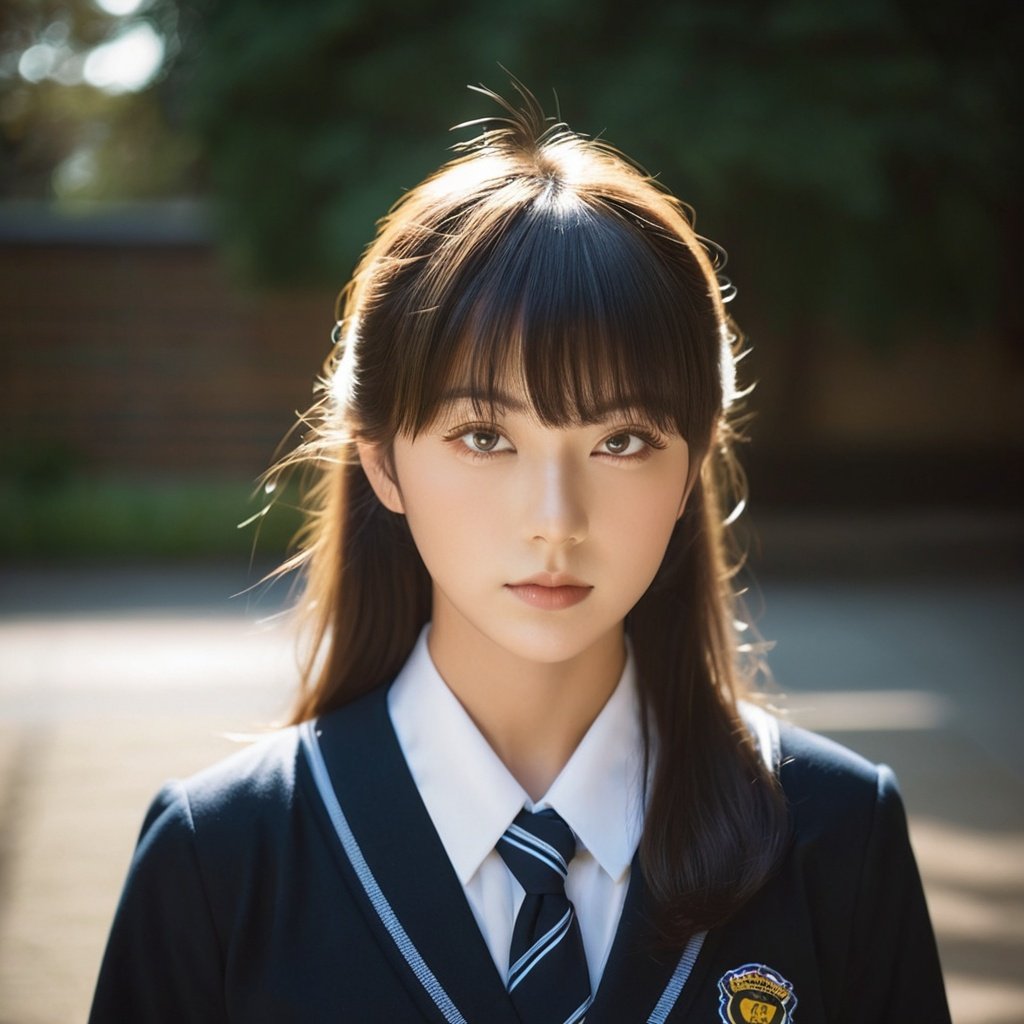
(543, 255)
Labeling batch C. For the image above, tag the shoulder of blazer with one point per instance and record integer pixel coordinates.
(225, 808)
(261, 774)
(816, 773)
(253, 787)
(833, 793)
(809, 759)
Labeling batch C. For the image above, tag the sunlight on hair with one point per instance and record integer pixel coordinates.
(728, 366)
(342, 380)
(735, 513)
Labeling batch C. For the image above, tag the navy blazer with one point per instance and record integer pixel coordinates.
(302, 880)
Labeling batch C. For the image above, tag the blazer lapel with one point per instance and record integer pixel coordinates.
(402, 849)
(638, 971)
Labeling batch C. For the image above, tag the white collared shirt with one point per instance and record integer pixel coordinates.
(472, 798)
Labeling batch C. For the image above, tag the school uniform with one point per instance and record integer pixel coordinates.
(305, 879)
(471, 797)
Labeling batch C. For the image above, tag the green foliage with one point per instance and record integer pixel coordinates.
(69, 516)
(859, 158)
(853, 154)
(63, 139)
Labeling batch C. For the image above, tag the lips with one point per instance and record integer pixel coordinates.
(550, 591)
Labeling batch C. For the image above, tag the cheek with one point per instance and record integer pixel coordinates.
(656, 531)
(655, 503)
(639, 523)
(446, 508)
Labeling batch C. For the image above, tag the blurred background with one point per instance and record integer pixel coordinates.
(186, 184)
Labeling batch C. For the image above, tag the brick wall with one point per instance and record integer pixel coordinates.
(145, 358)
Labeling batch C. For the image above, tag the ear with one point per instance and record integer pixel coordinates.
(375, 463)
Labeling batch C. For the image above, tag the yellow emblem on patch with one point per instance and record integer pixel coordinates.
(755, 994)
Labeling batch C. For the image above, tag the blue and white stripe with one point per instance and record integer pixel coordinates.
(540, 949)
(576, 1017)
(516, 835)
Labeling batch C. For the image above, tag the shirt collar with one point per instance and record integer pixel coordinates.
(472, 798)
(470, 795)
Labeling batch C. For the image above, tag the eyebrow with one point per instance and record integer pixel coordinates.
(509, 403)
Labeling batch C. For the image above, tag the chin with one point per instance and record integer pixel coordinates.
(548, 645)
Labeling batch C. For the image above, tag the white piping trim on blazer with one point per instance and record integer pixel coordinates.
(680, 976)
(379, 902)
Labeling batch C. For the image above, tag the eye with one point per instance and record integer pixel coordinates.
(484, 442)
(624, 445)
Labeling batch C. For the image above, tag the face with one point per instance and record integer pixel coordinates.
(538, 539)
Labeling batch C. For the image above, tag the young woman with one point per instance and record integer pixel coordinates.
(522, 783)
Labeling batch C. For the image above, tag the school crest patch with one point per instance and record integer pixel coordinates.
(755, 994)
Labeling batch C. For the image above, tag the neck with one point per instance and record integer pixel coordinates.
(533, 714)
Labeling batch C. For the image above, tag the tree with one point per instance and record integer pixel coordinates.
(82, 116)
(859, 157)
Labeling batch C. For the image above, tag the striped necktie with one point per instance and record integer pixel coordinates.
(548, 979)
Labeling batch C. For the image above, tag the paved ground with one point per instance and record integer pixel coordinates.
(111, 681)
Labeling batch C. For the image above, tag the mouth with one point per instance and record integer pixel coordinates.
(550, 591)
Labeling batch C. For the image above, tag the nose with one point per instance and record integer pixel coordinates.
(556, 508)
